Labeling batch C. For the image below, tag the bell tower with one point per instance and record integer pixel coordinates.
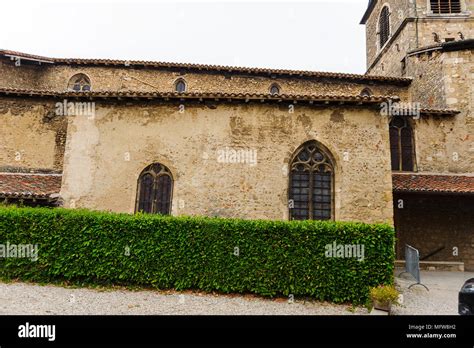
(397, 28)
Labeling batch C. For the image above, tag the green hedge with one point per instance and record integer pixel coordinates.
(274, 257)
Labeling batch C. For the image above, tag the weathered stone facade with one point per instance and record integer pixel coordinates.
(434, 50)
(139, 119)
(123, 140)
(32, 136)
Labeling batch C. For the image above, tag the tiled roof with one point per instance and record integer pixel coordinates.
(428, 183)
(439, 111)
(308, 98)
(211, 68)
(27, 186)
(338, 98)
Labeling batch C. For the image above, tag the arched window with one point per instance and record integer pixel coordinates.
(180, 86)
(384, 26)
(79, 83)
(311, 189)
(366, 92)
(155, 189)
(401, 144)
(274, 89)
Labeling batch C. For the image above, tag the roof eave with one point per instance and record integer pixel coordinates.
(369, 10)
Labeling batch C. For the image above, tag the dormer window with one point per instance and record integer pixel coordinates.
(384, 26)
(79, 83)
(180, 86)
(445, 6)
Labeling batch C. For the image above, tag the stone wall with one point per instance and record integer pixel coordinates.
(399, 10)
(445, 80)
(105, 156)
(414, 34)
(430, 222)
(32, 137)
(117, 78)
(23, 76)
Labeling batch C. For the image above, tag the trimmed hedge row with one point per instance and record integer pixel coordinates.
(227, 255)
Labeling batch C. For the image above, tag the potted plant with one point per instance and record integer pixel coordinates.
(384, 296)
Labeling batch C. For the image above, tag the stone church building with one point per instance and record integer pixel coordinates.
(395, 145)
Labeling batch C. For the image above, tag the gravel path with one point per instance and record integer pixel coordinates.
(441, 299)
(30, 299)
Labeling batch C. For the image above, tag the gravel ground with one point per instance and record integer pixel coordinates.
(32, 299)
(441, 299)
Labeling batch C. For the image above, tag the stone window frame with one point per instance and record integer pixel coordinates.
(366, 92)
(180, 80)
(274, 85)
(379, 46)
(76, 77)
(463, 13)
(156, 170)
(329, 160)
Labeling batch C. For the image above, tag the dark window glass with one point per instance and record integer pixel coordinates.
(180, 86)
(155, 186)
(384, 26)
(311, 184)
(366, 92)
(274, 89)
(79, 82)
(401, 145)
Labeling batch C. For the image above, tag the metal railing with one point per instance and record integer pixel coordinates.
(412, 265)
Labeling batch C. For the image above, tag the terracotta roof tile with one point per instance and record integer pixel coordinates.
(213, 68)
(426, 183)
(21, 185)
(311, 98)
(199, 96)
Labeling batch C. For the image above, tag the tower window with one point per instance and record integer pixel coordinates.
(401, 144)
(445, 6)
(180, 86)
(384, 26)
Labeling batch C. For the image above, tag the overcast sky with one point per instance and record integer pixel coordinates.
(321, 35)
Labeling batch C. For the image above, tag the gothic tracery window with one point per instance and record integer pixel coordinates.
(155, 188)
(311, 184)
